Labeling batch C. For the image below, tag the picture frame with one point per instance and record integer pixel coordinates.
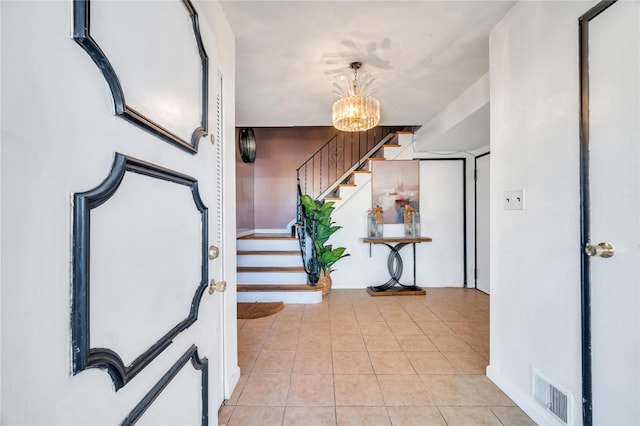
(394, 185)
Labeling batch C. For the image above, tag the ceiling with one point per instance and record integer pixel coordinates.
(423, 55)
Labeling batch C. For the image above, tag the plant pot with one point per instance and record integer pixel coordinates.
(325, 282)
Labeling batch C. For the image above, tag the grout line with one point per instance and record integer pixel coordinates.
(341, 308)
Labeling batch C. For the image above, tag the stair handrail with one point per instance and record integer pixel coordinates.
(299, 229)
(356, 166)
(307, 251)
(333, 154)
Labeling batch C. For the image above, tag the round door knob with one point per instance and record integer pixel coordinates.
(214, 252)
(220, 286)
(602, 250)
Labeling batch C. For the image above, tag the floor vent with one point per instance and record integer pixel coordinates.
(555, 400)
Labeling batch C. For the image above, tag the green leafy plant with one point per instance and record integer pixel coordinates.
(319, 226)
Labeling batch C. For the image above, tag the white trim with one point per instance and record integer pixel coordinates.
(231, 382)
(244, 233)
(526, 402)
(273, 231)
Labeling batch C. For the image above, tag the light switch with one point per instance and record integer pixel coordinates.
(514, 200)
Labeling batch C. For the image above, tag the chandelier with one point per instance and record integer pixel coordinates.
(356, 111)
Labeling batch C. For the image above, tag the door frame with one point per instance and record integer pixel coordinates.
(585, 213)
(464, 210)
(475, 217)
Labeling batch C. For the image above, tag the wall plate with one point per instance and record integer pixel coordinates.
(513, 200)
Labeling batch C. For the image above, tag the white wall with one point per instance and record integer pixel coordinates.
(58, 137)
(361, 270)
(463, 123)
(535, 253)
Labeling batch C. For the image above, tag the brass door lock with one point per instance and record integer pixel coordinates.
(604, 250)
(214, 252)
(220, 286)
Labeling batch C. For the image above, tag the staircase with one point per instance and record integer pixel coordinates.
(362, 175)
(270, 270)
(270, 266)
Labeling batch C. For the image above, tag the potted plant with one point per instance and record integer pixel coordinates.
(319, 226)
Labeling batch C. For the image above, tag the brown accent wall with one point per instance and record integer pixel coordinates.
(244, 192)
(266, 189)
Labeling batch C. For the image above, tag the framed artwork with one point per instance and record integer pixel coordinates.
(394, 185)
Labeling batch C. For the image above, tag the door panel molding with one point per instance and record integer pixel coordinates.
(199, 364)
(83, 355)
(82, 35)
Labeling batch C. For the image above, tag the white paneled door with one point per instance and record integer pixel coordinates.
(614, 192)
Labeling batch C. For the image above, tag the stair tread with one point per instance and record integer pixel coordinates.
(347, 184)
(376, 158)
(332, 198)
(392, 145)
(277, 287)
(269, 252)
(362, 171)
(270, 269)
(268, 237)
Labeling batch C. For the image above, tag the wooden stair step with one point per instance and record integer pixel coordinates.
(277, 287)
(376, 158)
(268, 237)
(361, 171)
(348, 184)
(269, 252)
(391, 145)
(270, 269)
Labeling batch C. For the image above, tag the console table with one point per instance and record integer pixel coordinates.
(394, 265)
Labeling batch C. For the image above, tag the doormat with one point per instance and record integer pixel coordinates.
(258, 309)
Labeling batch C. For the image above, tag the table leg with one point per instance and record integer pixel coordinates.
(395, 268)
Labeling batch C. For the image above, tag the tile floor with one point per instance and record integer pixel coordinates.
(360, 360)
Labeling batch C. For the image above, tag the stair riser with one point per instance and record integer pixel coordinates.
(269, 260)
(304, 297)
(391, 152)
(272, 278)
(267, 244)
(360, 178)
(347, 191)
(404, 140)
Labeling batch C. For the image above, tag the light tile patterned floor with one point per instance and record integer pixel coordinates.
(360, 360)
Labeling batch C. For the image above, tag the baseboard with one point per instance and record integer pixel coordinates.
(355, 286)
(244, 233)
(525, 402)
(231, 382)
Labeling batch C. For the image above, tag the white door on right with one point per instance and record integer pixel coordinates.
(614, 179)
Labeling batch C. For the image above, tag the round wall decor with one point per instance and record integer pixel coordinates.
(247, 145)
